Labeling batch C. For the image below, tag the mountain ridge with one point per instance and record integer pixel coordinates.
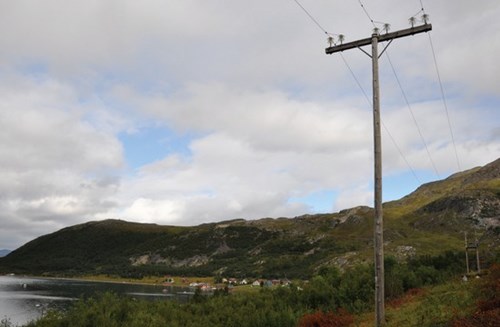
(435, 213)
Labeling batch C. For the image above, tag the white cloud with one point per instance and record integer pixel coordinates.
(157, 211)
(353, 197)
(227, 177)
(270, 120)
(269, 116)
(55, 164)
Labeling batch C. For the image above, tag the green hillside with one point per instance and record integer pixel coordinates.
(431, 220)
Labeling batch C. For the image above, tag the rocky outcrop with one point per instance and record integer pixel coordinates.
(155, 259)
(481, 208)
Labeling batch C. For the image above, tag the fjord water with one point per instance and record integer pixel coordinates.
(23, 299)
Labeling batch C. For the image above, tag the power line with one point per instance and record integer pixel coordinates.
(356, 79)
(311, 17)
(422, 6)
(382, 121)
(420, 11)
(443, 97)
(370, 17)
(411, 113)
(315, 21)
(403, 92)
(366, 12)
(444, 103)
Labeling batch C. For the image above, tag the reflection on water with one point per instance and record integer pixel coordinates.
(23, 299)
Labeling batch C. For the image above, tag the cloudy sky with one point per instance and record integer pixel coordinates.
(183, 112)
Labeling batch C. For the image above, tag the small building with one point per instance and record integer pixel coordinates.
(168, 281)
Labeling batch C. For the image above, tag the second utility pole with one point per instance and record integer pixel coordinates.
(379, 222)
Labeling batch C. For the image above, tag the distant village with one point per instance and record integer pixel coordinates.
(229, 283)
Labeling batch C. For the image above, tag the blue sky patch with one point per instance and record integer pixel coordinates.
(320, 202)
(152, 144)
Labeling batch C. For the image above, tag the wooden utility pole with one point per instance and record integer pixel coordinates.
(472, 246)
(466, 254)
(379, 222)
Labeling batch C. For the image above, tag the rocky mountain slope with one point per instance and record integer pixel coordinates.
(430, 220)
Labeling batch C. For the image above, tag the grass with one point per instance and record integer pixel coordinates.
(432, 306)
(178, 281)
(246, 289)
(152, 280)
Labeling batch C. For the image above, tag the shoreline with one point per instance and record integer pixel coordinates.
(150, 280)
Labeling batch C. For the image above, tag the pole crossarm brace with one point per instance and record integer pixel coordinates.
(381, 38)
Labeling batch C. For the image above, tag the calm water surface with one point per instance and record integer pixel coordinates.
(23, 299)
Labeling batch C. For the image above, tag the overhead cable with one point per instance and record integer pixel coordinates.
(443, 97)
(411, 113)
(315, 21)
